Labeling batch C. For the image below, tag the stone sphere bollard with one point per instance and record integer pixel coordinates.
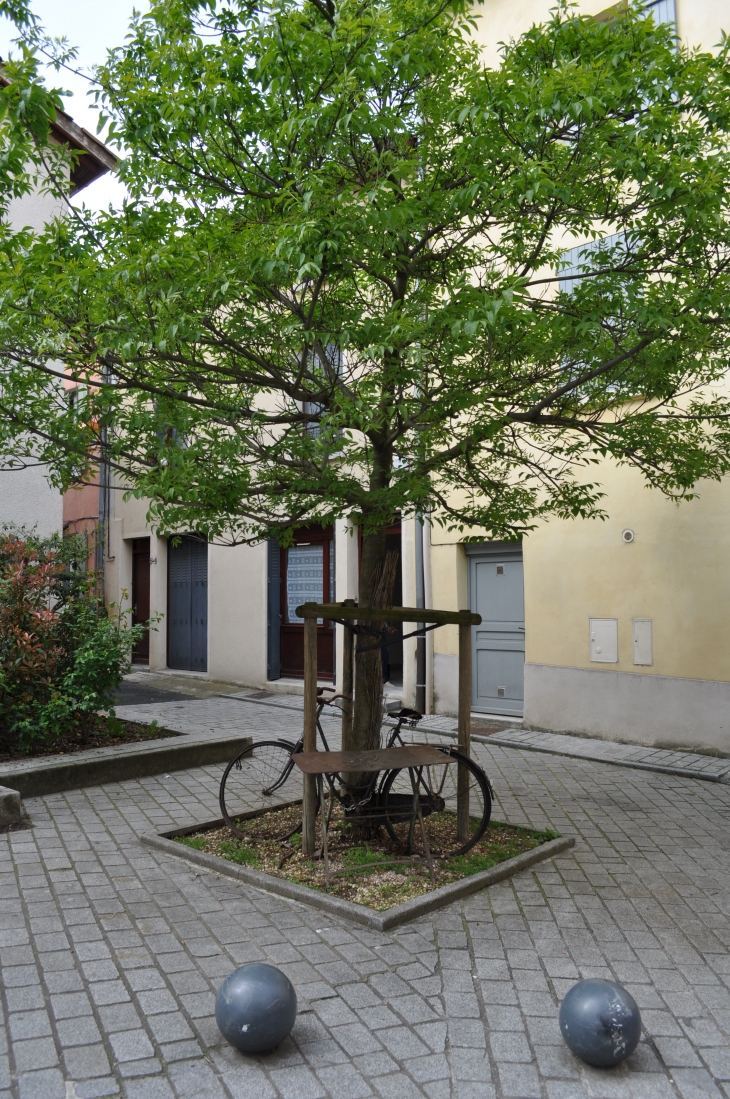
(256, 1007)
(600, 1022)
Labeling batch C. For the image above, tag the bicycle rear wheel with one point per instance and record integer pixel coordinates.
(261, 777)
(437, 787)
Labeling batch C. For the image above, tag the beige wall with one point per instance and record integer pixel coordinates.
(676, 572)
(237, 614)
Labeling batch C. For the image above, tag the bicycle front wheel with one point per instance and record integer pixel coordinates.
(437, 798)
(261, 777)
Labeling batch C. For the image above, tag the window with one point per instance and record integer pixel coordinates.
(334, 355)
(664, 11)
(578, 258)
(304, 571)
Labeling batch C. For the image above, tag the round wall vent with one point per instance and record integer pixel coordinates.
(627, 535)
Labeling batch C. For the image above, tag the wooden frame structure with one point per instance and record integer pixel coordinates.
(346, 613)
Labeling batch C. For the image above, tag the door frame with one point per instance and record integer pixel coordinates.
(506, 551)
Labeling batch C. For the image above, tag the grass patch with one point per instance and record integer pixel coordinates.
(375, 873)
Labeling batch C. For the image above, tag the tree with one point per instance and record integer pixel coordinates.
(336, 288)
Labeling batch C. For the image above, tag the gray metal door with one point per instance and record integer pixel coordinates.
(498, 645)
(187, 605)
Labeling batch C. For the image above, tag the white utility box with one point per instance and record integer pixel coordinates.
(604, 640)
(643, 649)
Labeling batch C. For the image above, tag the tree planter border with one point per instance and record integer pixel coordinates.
(336, 906)
(54, 774)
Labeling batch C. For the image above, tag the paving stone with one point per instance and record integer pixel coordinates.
(82, 1062)
(34, 1054)
(508, 1046)
(97, 1089)
(345, 1082)
(520, 1081)
(29, 1024)
(42, 1085)
(356, 1039)
(297, 1083)
(133, 1045)
(696, 1084)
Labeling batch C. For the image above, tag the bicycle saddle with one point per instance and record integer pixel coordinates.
(405, 712)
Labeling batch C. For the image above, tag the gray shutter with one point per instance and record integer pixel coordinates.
(187, 607)
(178, 606)
(274, 611)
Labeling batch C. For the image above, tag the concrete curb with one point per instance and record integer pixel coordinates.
(335, 906)
(680, 772)
(54, 774)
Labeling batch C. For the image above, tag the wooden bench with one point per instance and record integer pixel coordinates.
(380, 759)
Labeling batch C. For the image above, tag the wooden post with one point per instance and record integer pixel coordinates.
(309, 803)
(348, 682)
(464, 730)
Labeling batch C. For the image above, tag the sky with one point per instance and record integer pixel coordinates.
(94, 26)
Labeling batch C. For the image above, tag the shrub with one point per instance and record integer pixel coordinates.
(62, 654)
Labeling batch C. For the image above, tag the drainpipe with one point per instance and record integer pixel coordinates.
(428, 602)
(420, 602)
(103, 521)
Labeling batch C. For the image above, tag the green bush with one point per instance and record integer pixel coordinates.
(62, 653)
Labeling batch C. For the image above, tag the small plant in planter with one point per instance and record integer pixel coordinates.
(62, 652)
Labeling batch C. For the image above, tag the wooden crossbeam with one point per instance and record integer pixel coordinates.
(345, 612)
(379, 759)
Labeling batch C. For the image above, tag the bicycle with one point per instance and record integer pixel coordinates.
(263, 776)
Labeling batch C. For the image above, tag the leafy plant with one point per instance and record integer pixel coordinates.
(62, 653)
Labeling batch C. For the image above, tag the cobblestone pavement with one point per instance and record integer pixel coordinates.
(111, 953)
(230, 715)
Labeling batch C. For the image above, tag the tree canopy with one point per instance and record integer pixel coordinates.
(336, 286)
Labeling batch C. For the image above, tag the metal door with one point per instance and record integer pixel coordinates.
(498, 645)
(187, 605)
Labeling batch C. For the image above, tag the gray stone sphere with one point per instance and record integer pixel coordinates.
(600, 1022)
(256, 1007)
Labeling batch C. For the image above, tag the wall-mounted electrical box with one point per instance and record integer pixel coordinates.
(643, 648)
(604, 640)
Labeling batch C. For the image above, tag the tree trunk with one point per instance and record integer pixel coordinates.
(367, 713)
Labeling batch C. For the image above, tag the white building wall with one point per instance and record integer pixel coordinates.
(26, 498)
